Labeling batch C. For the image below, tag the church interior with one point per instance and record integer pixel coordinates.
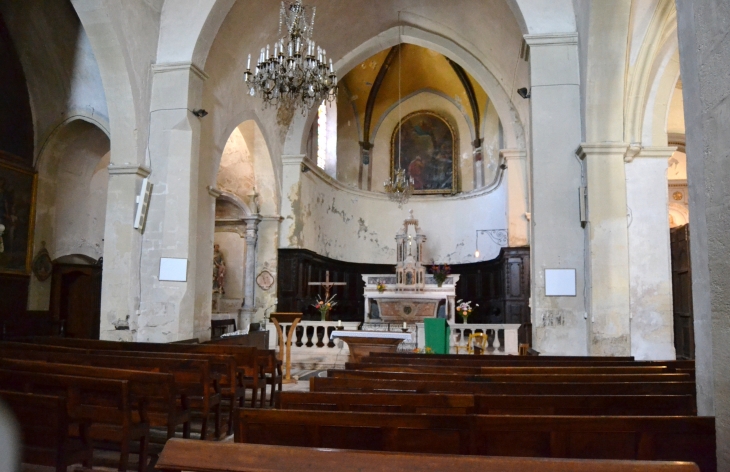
(241, 235)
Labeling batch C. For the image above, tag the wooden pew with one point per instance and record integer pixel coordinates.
(191, 374)
(320, 384)
(157, 390)
(181, 455)
(242, 370)
(544, 378)
(663, 369)
(414, 355)
(106, 404)
(513, 361)
(44, 423)
(575, 405)
(626, 438)
(245, 357)
(452, 404)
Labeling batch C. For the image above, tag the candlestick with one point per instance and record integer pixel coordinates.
(339, 322)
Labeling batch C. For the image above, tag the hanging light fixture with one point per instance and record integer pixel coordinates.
(295, 72)
(399, 187)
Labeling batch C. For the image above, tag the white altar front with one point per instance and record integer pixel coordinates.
(412, 306)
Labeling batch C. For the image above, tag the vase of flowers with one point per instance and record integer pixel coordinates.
(464, 309)
(380, 287)
(325, 306)
(440, 273)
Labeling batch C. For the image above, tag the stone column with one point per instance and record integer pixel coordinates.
(249, 293)
(180, 224)
(704, 63)
(608, 249)
(652, 318)
(557, 239)
(518, 229)
(120, 287)
(290, 234)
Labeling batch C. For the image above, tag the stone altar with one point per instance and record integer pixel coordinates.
(397, 306)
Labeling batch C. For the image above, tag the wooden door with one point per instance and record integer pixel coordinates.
(684, 341)
(76, 299)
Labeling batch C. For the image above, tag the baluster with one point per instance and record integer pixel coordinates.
(320, 335)
(330, 342)
(497, 344)
(299, 334)
(310, 336)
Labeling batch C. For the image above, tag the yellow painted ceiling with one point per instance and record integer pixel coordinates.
(419, 69)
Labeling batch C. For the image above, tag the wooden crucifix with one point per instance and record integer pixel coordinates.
(327, 285)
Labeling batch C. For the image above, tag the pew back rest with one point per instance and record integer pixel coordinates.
(625, 438)
(198, 456)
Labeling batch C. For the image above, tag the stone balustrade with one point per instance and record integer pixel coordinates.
(313, 348)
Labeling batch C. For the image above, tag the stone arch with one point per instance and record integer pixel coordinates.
(188, 29)
(479, 68)
(73, 180)
(649, 64)
(116, 74)
(544, 16)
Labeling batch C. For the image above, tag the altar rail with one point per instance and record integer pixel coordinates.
(313, 337)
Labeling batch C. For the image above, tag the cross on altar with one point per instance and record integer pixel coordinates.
(327, 285)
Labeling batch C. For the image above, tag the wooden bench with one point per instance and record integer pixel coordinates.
(476, 370)
(191, 374)
(577, 405)
(413, 355)
(544, 378)
(158, 391)
(379, 402)
(45, 423)
(241, 372)
(320, 384)
(689, 439)
(514, 361)
(181, 455)
(106, 404)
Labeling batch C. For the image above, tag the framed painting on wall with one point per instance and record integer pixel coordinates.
(17, 218)
(429, 153)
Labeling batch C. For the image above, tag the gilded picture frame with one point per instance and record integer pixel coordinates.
(429, 153)
(18, 188)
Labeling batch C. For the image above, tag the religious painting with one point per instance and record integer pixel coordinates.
(17, 218)
(428, 147)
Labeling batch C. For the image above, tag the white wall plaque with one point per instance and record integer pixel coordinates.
(560, 283)
(173, 270)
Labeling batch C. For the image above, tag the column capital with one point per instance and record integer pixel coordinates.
(178, 67)
(552, 39)
(601, 149)
(214, 192)
(292, 159)
(656, 152)
(513, 154)
(129, 169)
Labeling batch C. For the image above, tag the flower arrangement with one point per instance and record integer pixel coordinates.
(440, 273)
(325, 306)
(426, 350)
(381, 286)
(464, 309)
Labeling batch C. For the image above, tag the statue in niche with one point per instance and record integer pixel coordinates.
(219, 270)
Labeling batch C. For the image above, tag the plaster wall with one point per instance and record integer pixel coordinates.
(361, 227)
(71, 200)
(705, 65)
(652, 320)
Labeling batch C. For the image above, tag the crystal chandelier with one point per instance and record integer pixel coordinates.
(399, 187)
(294, 73)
